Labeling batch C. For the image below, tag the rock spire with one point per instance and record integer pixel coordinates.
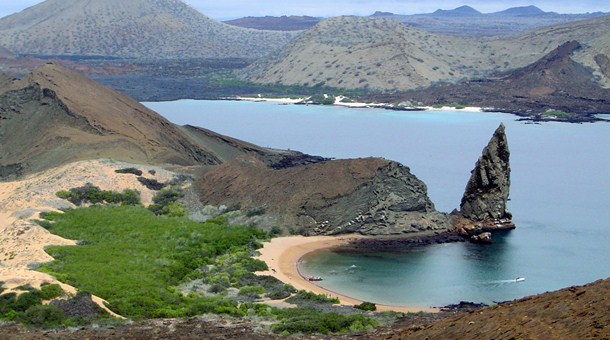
(487, 191)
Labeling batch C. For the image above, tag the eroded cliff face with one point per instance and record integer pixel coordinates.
(369, 196)
(486, 195)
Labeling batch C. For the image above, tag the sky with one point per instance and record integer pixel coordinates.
(230, 9)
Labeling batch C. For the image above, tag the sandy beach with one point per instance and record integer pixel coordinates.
(355, 105)
(282, 255)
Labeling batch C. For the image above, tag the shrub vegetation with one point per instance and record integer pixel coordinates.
(135, 260)
(90, 193)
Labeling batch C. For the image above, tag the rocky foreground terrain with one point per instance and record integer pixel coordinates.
(572, 313)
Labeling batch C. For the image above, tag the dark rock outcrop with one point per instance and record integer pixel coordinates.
(483, 238)
(81, 306)
(487, 191)
(369, 196)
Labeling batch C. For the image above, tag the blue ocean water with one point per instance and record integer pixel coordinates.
(560, 195)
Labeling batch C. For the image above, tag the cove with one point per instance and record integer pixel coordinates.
(560, 195)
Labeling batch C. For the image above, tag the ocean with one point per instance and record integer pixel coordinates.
(560, 195)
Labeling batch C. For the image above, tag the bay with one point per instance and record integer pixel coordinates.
(560, 195)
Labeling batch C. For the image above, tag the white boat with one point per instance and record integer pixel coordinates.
(520, 279)
(312, 278)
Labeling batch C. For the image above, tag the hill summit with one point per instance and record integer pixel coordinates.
(462, 11)
(134, 28)
(53, 116)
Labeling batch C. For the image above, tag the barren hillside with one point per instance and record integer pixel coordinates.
(351, 52)
(6, 54)
(55, 115)
(135, 28)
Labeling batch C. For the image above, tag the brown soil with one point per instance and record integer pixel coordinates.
(571, 313)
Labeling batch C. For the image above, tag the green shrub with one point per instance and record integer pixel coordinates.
(367, 306)
(305, 320)
(130, 197)
(43, 223)
(42, 316)
(50, 291)
(134, 259)
(165, 202)
(305, 296)
(174, 209)
(275, 231)
(253, 291)
(26, 300)
(94, 195)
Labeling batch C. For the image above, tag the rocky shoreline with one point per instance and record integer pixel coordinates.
(398, 244)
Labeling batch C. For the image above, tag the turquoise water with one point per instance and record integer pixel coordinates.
(560, 195)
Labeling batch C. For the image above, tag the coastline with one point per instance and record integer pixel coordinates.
(358, 105)
(283, 254)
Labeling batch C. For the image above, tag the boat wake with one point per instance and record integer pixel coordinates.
(499, 282)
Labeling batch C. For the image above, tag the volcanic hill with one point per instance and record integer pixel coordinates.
(54, 116)
(367, 53)
(382, 54)
(161, 29)
(554, 84)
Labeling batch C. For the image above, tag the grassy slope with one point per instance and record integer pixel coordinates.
(133, 259)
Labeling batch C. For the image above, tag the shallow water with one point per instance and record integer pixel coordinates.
(560, 195)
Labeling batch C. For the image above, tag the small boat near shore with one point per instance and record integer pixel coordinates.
(312, 278)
